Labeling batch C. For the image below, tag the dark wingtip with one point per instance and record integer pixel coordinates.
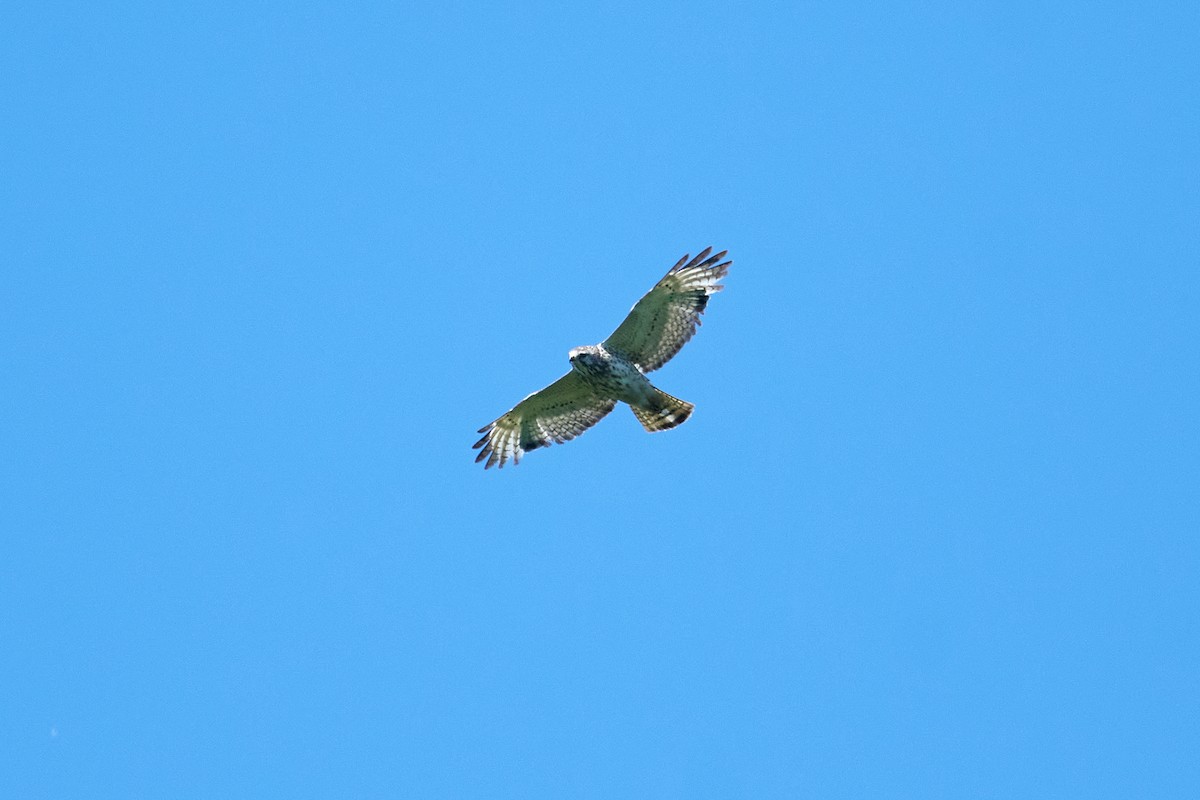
(699, 257)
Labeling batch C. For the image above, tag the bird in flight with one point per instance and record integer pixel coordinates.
(615, 370)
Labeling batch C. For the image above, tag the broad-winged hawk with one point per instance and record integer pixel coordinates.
(614, 370)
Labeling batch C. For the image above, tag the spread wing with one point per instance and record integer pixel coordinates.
(558, 413)
(666, 318)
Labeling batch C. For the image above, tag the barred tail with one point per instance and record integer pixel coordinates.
(662, 412)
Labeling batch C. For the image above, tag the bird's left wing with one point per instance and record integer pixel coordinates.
(666, 318)
(558, 413)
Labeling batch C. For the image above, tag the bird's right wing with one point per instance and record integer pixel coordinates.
(667, 317)
(558, 413)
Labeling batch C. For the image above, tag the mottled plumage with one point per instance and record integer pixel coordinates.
(601, 375)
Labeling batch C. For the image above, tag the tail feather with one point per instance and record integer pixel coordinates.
(662, 412)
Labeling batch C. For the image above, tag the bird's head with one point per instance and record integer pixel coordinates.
(581, 355)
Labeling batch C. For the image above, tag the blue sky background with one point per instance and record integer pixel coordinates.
(931, 532)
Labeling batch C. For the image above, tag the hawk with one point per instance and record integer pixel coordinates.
(615, 370)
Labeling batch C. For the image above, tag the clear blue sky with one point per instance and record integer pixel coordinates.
(931, 531)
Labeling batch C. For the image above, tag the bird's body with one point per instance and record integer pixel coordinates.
(611, 374)
(615, 370)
